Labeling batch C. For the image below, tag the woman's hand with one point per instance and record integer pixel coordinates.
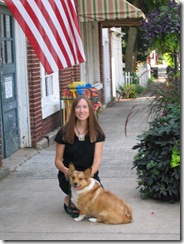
(66, 172)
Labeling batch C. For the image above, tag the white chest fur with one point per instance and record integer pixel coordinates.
(76, 194)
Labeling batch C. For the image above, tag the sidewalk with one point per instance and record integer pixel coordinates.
(32, 202)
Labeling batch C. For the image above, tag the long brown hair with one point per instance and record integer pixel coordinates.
(93, 125)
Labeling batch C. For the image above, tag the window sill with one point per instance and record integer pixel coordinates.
(48, 110)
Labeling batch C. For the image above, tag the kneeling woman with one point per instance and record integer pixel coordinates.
(79, 141)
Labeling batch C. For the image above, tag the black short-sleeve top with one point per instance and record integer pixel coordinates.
(80, 153)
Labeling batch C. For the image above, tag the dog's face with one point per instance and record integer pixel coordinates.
(79, 179)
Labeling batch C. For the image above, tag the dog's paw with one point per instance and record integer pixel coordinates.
(94, 220)
(79, 218)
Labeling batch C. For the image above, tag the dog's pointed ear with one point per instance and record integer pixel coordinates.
(87, 172)
(71, 167)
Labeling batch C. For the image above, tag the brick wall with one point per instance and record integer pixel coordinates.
(51, 123)
(69, 75)
(34, 95)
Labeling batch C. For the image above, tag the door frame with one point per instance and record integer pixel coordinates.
(106, 68)
(22, 87)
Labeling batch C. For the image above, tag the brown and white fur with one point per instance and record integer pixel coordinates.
(95, 201)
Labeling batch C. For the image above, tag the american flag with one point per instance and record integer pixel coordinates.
(51, 26)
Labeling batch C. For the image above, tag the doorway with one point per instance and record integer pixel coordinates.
(8, 85)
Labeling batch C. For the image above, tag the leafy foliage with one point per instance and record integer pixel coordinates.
(147, 6)
(175, 156)
(168, 59)
(142, 48)
(157, 178)
(127, 91)
(165, 94)
(161, 29)
(130, 90)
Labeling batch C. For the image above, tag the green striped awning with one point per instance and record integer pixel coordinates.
(102, 10)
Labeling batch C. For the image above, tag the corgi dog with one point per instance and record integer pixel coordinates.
(93, 200)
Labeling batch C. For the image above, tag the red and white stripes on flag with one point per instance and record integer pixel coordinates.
(51, 26)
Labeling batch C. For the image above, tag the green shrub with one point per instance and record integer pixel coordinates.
(129, 90)
(157, 162)
(166, 93)
(169, 59)
(140, 89)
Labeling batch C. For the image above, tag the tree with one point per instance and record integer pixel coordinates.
(146, 6)
(132, 34)
(161, 30)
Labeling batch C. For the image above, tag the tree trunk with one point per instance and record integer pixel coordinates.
(135, 57)
(132, 34)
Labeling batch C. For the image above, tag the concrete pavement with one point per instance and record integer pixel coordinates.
(32, 202)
